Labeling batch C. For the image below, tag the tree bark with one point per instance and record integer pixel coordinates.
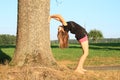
(33, 34)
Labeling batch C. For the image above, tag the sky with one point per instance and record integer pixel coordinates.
(103, 15)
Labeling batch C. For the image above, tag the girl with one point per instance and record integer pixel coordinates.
(80, 35)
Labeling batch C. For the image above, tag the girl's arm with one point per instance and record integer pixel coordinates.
(59, 18)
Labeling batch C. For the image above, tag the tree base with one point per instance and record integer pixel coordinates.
(30, 73)
(45, 73)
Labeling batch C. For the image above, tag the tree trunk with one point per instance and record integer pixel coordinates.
(33, 35)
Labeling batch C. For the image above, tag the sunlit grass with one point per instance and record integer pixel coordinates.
(8, 51)
(99, 54)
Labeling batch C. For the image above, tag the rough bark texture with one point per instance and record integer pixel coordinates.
(33, 36)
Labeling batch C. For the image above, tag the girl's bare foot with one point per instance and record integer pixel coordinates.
(84, 70)
(80, 71)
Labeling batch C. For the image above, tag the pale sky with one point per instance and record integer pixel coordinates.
(103, 15)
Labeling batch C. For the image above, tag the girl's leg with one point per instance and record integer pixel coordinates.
(85, 48)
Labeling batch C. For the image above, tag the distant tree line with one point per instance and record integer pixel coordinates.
(6, 39)
(104, 40)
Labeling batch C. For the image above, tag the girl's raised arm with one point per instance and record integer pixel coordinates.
(59, 18)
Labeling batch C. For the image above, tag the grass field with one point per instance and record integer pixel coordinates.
(100, 54)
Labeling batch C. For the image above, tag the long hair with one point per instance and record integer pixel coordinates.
(62, 37)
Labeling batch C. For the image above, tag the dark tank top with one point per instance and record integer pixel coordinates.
(76, 29)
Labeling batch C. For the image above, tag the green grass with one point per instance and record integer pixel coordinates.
(7, 49)
(99, 53)
(66, 54)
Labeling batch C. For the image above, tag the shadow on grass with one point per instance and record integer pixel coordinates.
(7, 46)
(4, 58)
(96, 46)
(106, 46)
(71, 46)
(54, 46)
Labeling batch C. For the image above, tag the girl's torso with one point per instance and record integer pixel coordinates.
(76, 29)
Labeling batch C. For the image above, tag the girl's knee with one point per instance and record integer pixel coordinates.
(85, 53)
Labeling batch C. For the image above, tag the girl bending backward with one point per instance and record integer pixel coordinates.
(80, 35)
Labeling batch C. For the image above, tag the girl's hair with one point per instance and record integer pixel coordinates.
(62, 38)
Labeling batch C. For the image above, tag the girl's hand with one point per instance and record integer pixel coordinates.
(49, 19)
